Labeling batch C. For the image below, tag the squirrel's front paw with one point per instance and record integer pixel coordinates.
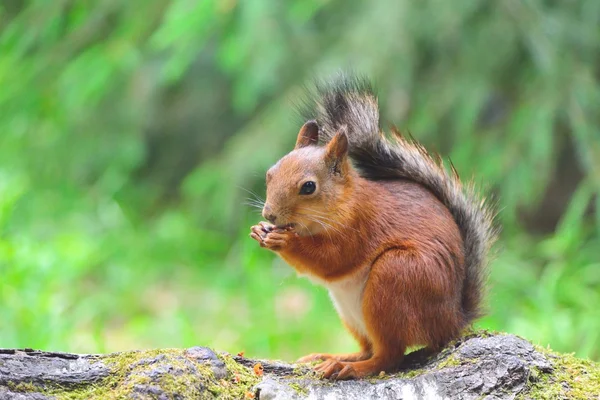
(271, 237)
(259, 232)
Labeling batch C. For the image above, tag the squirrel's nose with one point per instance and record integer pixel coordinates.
(268, 214)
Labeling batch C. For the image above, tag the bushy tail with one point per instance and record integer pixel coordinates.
(350, 102)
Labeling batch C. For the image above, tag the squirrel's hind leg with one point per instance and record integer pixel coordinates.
(391, 295)
(364, 353)
(358, 356)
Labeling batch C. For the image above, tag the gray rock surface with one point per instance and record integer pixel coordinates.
(479, 366)
(496, 367)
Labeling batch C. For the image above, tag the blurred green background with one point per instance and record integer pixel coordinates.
(130, 133)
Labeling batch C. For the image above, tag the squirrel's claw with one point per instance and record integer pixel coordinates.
(271, 237)
(258, 238)
(346, 373)
(258, 233)
(336, 370)
(266, 227)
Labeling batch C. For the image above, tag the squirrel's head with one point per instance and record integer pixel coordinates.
(306, 185)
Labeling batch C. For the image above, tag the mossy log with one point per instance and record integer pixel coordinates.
(479, 365)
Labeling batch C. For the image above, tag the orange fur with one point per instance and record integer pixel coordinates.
(396, 233)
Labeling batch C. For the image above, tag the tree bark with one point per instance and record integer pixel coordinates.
(480, 365)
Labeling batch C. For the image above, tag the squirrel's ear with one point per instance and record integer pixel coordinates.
(336, 152)
(309, 134)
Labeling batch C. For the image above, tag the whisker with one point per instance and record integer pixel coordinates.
(334, 229)
(315, 213)
(254, 204)
(257, 208)
(307, 230)
(326, 227)
(253, 194)
(325, 230)
(337, 223)
(252, 201)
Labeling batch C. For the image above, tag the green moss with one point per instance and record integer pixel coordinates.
(406, 374)
(450, 361)
(571, 378)
(305, 372)
(470, 333)
(22, 387)
(130, 369)
(243, 379)
(298, 388)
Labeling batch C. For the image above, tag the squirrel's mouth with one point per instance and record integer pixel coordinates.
(290, 225)
(285, 227)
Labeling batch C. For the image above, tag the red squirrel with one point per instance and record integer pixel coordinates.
(398, 241)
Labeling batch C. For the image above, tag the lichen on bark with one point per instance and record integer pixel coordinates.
(478, 365)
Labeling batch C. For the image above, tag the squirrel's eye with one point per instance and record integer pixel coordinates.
(308, 187)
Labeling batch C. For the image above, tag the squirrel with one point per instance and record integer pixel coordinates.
(399, 242)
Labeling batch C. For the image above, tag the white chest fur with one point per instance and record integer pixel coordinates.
(347, 297)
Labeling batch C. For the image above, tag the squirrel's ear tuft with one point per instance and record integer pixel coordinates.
(309, 134)
(336, 152)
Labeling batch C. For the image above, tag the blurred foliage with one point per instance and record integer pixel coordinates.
(128, 131)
